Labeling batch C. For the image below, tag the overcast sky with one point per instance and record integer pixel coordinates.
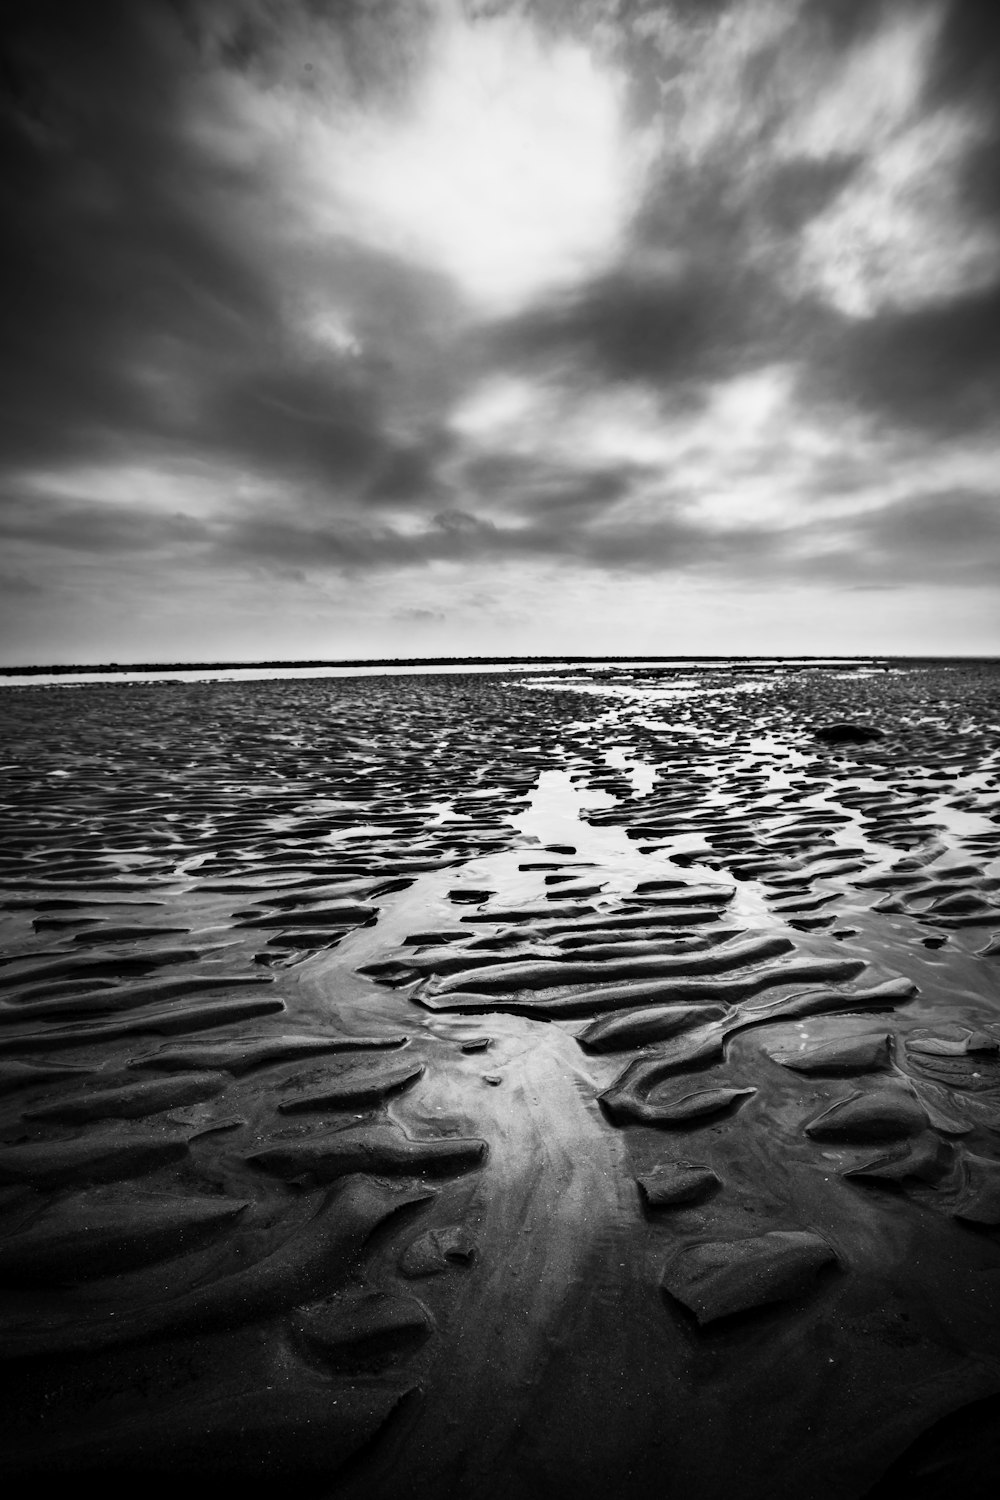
(418, 327)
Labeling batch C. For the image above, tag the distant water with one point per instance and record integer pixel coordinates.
(83, 678)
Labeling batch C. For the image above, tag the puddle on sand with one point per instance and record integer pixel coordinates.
(644, 776)
(958, 823)
(605, 857)
(555, 814)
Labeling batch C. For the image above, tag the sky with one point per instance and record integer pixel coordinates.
(350, 328)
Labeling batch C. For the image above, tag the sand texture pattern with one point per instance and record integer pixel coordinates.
(503, 1085)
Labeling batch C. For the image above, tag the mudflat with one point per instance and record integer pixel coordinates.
(504, 1085)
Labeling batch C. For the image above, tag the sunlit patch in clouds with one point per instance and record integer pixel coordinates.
(511, 167)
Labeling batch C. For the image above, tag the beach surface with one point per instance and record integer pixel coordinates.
(577, 1082)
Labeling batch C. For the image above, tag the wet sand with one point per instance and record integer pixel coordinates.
(504, 1086)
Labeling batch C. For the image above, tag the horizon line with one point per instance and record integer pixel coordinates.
(63, 668)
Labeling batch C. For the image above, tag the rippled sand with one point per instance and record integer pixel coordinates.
(496, 1086)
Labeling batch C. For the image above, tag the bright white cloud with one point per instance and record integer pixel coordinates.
(860, 104)
(749, 406)
(899, 235)
(331, 328)
(512, 168)
(498, 408)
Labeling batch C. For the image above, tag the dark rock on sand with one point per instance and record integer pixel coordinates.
(845, 733)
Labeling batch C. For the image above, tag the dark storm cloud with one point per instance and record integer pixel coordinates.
(944, 537)
(109, 240)
(632, 324)
(960, 524)
(409, 473)
(796, 192)
(149, 309)
(934, 368)
(527, 483)
(18, 586)
(296, 419)
(967, 63)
